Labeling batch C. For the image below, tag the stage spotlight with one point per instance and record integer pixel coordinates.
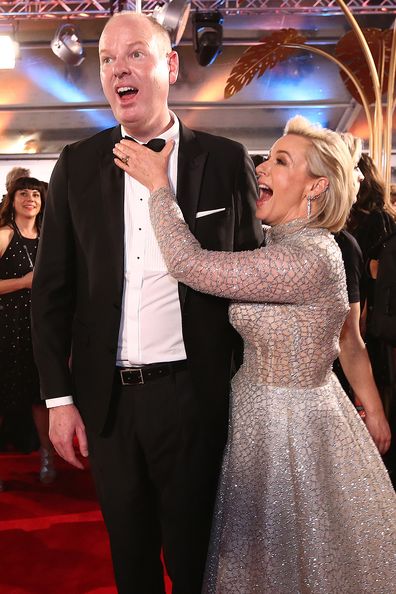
(8, 47)
(207, 36)
(67, 45)
(173, 17)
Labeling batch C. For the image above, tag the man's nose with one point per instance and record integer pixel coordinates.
(120, 67)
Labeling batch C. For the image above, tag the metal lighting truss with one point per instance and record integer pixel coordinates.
(62, 9)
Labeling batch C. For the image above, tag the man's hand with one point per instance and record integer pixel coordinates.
(65, 422)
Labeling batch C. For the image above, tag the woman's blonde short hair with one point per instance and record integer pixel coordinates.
(354, 144)
(327, 156)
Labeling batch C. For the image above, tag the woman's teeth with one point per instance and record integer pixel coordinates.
(265, 192)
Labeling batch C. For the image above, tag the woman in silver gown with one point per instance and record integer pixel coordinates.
(305, 505)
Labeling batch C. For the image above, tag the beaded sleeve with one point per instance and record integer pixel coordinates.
(293, 271)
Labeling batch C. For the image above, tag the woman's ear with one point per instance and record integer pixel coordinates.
(319, 186)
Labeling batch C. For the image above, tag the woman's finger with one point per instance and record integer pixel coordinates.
(121, 156)
(168, 148)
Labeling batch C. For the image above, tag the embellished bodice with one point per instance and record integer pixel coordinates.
(295, 343)
(289, 298)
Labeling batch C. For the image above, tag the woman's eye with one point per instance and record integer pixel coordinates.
(280, 161)
(136, 54)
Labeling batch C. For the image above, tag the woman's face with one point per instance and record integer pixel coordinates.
(284, 183)
(27, 203)
(358, 177)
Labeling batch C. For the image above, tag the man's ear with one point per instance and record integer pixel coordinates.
(173, 64)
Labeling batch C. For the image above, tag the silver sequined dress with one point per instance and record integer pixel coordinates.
(305, 505)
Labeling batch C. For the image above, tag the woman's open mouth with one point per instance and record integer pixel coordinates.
(265, 193)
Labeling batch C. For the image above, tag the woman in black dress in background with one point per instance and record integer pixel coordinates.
(371, 221)
(20, 218)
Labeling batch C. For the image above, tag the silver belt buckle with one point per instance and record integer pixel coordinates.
(132, 371)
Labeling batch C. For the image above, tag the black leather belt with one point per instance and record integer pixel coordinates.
(133, 376)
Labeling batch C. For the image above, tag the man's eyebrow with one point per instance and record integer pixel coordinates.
(130, 45)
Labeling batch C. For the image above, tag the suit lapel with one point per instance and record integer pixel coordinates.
(112, 191)
(191, 164)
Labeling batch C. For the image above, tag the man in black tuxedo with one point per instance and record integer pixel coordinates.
(135, 365)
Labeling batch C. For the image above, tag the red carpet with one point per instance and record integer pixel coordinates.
(52, 537)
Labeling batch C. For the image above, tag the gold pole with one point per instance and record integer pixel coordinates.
(381, 65)
(353, 78)
(390, 107)
(378, 119)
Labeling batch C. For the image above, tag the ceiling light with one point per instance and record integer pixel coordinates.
(173, 17)
(31, 146)
(67, 45)
(207, 36)
(8, 47)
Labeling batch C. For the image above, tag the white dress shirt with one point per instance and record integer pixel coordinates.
(151, 327)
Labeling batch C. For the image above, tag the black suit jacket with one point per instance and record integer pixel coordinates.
(78, 281)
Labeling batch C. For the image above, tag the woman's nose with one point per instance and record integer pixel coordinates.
(261, 169)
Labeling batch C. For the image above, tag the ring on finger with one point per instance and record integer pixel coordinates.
(125, 160)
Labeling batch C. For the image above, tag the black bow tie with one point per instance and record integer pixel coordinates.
(156, 144)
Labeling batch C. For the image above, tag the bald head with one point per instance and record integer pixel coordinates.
(137, 66)
(128, 18)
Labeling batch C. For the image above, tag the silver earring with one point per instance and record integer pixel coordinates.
(309, 206)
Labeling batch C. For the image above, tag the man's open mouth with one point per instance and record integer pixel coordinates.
(125, 91)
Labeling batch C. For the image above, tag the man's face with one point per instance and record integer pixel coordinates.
(137, 66)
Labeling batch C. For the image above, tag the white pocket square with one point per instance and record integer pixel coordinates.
(205, 213)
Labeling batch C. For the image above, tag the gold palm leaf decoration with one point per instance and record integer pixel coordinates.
(350, 53)
(259, 58)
